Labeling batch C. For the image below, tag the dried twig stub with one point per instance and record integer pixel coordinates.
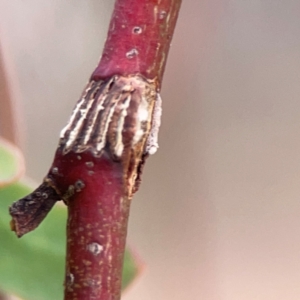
(30, 211)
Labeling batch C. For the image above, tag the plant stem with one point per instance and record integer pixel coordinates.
(112, 130)
(139, 38)
(96, 229)
(99, 188)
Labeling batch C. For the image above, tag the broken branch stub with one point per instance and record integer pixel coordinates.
(30, 211)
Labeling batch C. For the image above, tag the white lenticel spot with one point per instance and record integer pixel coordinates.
(69, 279)
(89, 164)
(79, 185)
(95, 248)
(162, 14)
(132, 53)
(137, 30)
(54, 170)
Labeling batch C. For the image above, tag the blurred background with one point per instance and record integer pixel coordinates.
(218, 213)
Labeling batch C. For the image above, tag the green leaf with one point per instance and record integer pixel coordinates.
(33, 267)
(131, 268)
(11, 163)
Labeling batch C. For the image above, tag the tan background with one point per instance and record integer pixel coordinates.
(218, 213)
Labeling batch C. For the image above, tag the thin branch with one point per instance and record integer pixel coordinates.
(139, 39)
(98, 164)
